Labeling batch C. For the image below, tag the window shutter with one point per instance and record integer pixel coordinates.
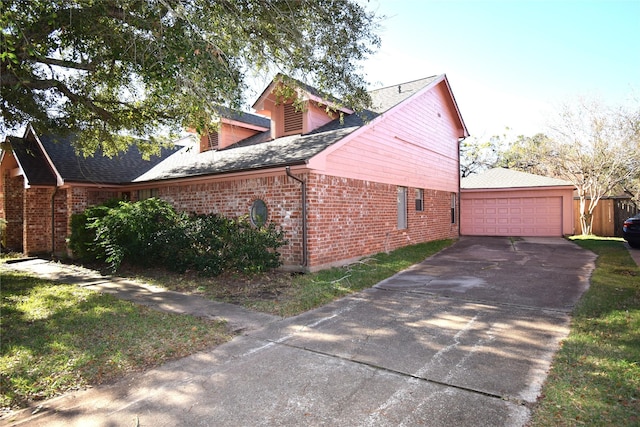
(292, 119)
(213, 140)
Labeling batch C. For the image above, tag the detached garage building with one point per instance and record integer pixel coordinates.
(504, 202)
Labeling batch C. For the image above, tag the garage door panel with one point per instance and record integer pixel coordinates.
(512, 216)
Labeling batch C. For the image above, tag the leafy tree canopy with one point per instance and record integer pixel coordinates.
(478, 154)
(597, 148)
(112, 71)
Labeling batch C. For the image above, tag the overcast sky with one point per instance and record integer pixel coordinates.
(512, 63)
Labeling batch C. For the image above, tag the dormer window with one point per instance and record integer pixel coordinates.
(296, 108)
(292, 120)
(232, 128)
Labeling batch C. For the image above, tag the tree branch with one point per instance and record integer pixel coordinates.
(60, 62)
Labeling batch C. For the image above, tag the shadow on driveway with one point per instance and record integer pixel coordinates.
(464, 338)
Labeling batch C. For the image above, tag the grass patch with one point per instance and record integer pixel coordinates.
(314, 290)
(57, 338)
(595, 376)
(286, 294)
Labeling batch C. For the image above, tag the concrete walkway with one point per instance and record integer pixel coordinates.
(464, 338)
(238, 319)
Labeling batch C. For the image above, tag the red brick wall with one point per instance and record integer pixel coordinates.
(347, 218)
(37, 220)
(13, 189)
(37, 215)
(281, 194)
(61, 222)
(351, 218)
(97, 197)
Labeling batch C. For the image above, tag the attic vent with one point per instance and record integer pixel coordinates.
(213, 141)
(292, 119)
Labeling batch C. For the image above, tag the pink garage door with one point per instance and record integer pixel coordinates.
(511, 216)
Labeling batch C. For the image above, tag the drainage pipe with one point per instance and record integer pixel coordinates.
(303, 187)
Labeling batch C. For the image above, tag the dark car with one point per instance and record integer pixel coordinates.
(631, 231)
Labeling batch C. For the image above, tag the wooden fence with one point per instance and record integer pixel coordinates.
(608, 216)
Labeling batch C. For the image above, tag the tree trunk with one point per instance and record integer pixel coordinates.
(585, 223)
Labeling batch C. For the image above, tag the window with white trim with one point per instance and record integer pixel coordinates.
(453, 208)
(402, 208)
(419, 199)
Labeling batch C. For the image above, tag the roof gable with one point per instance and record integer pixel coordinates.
(32, 160)
(387, 98)
(509, 178)
(303, 91)
(261, 151)
(254, 153)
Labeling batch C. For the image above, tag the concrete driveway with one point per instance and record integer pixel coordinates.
(464, 338)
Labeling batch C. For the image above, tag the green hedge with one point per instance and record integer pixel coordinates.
(151, 233)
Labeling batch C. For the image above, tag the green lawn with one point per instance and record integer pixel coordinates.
(57, 338)
(595, 376)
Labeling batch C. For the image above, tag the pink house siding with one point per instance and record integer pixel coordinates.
(316, 116)
(230, 134)
(415, 145)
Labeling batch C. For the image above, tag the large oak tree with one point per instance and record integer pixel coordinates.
(113, 71)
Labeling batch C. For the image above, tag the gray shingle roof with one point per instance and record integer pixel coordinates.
(288, 150)
(388, 97)
(98, 168)
(258, 152)
(32, 161)
(508, 178)
(245, 117)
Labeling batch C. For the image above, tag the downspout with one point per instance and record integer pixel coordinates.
(459, 201)
(303, 187)
(53, 221)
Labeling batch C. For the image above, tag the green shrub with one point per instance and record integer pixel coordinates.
(132, 231)
(255, 249)
(150, 232)
(82, 238)
(211, 244)
(3, 227)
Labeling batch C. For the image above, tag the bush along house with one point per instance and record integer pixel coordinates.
(340, 185)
